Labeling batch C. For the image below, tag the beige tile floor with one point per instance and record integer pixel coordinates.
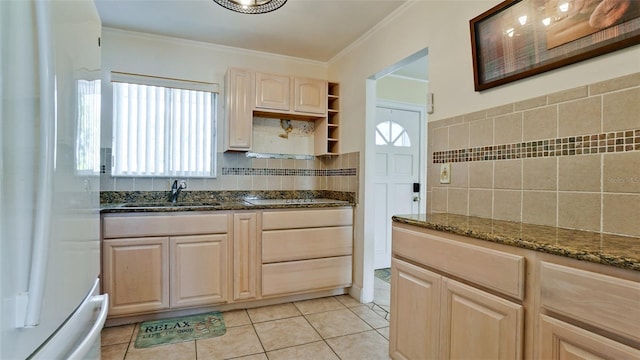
(337, 327)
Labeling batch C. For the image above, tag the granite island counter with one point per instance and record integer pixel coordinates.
(469, 287)
(608, 249)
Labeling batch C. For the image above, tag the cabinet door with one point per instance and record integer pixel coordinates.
(562, 341)
(239, 110)
(136, 274)
(272, 92)
(310, 95)
(198, 270)
(479, 325)
(415, 309)
(245, 256)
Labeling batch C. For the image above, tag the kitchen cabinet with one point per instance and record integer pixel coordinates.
(596, 304)
(435, 316)
(250, 93)
(135, 274)
(310, 96)
(306, 250)
(414, 325)
(327, 136)
(158, 262)
(239, 116)
(272, 92)
(290, 94)
(454, 296)
(477, 324)
(560, 340)
(246, 256)
(191, 258)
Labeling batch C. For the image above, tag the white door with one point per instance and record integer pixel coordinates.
(397, 167)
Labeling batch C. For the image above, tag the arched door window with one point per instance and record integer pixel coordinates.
(391, 133)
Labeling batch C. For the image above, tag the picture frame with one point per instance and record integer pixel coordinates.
(520, 38)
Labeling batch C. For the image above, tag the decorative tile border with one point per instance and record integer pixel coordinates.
(617, 141)
(288, 172)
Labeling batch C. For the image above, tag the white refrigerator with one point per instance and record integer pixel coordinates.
(50, 306)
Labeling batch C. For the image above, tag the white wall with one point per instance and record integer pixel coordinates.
(443, 28)
(402, 90)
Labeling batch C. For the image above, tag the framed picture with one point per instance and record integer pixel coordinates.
(519, 38)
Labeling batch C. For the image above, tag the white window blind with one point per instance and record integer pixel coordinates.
(87, 147)
(163, 131)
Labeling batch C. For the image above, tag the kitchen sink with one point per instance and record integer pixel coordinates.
(169, 204)
(294, 201)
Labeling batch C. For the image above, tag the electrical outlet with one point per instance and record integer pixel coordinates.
(445, 173)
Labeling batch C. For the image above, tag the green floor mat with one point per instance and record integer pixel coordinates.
(179, 329)
(384, 274)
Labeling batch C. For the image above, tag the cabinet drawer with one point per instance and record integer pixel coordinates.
(559, 340)
(170, 224)
(306, 275)
(496, 270)
(295, 219)
(609, 303)
(299, 244)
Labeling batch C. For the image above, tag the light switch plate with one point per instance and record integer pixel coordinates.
(445, 173)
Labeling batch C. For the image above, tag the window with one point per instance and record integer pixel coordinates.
(163, 127)
(392, 133)
(87, 147)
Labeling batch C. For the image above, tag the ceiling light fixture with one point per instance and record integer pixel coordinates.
(251, 6)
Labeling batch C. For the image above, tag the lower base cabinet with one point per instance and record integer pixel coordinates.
(198, 270)
(135, 273)
(162, 262)
(559, 340)
(435, 317)
(415, 323)
(454, 297)
(479, 325)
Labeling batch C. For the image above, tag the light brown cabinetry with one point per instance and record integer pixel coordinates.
(495, 301)
(152, 263)
(327, 137)
(458, 320)
(135, 274)
(272, 92)
(306, 250)
(239, 124)
(477, 324)
(246, 256)
(309, 95)
(198, 274)
(604, 304)
(415, 323)
(287, 94)
(250, 93)
(560, 340)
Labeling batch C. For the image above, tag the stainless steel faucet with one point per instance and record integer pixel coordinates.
(176, 188)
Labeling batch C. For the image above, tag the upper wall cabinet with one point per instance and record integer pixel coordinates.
(278, 93)
(239, 122)
(310, 95)
(272, 92)
(250, 93)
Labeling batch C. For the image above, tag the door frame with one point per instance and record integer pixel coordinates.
(422, 138)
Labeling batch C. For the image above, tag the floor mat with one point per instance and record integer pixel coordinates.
(185, 328)
(384, 274)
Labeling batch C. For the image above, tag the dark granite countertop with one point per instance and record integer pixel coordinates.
(157, 201)
(608, 249)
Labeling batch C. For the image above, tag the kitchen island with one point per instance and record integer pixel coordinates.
(468, 287)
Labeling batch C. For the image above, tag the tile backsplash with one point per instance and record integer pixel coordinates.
(569, 159)
(236, 171)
